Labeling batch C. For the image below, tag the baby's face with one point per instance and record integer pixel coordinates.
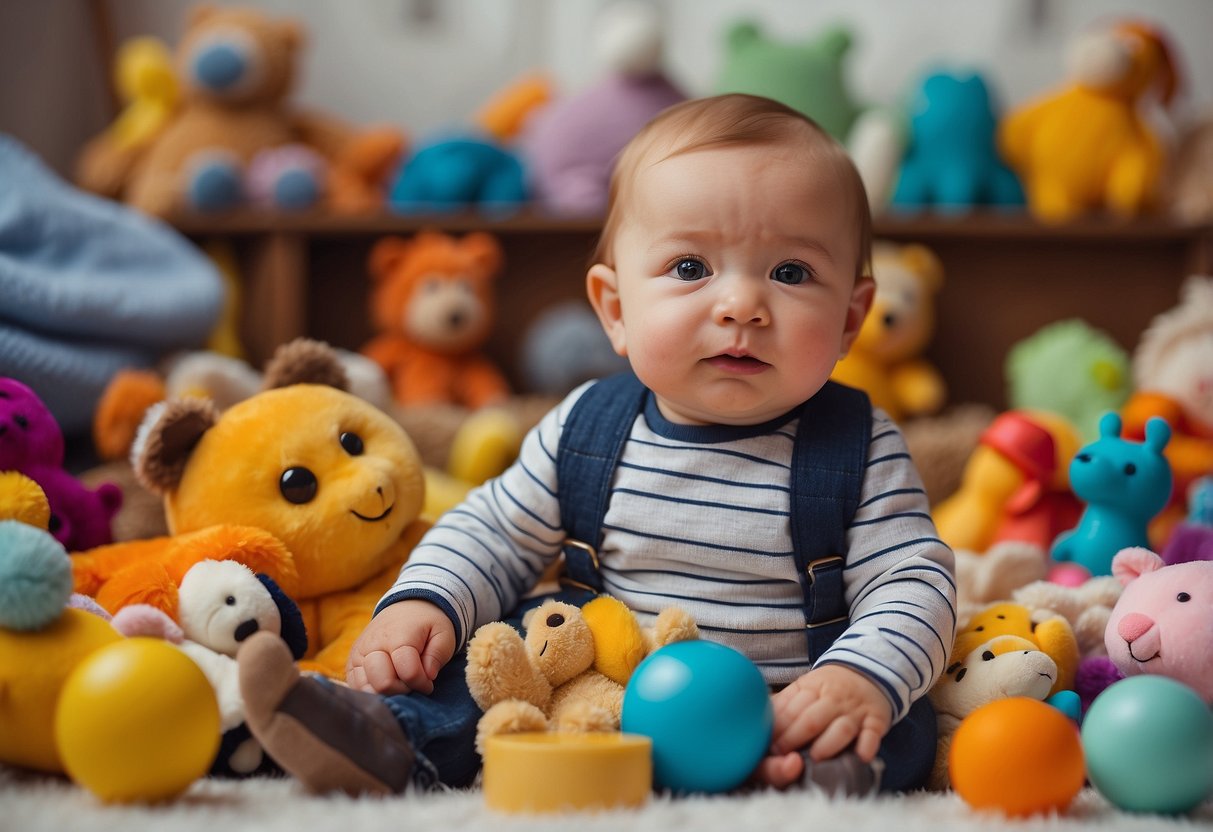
(735, 277)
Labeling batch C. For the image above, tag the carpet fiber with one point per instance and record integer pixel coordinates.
(29, 803)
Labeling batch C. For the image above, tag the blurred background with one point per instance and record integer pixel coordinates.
(426, 64)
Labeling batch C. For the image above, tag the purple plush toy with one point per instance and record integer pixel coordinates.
(571, 145)
(31, 443)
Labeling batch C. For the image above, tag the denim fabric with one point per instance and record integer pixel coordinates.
(908, 750)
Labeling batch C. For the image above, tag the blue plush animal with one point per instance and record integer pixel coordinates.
(1124, 485)
(459, 173)
(952, 162)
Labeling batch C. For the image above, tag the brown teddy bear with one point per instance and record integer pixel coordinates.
(570, 672)
(433, 306)
(885, 360)
(232, 135)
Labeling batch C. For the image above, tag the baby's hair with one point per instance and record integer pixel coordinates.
(726, 121)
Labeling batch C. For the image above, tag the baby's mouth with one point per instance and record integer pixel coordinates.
(741, 364)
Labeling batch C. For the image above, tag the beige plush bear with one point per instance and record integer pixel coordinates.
(885, 360)
(569, 673)
(235, 68)
(1002, 667)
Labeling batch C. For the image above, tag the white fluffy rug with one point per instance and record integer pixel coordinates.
(29, 803)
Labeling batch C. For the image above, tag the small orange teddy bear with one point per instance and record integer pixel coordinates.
(433, 306)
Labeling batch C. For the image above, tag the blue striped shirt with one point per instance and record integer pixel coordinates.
(699, 518)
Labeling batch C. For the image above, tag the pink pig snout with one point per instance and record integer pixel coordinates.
(1133, 626)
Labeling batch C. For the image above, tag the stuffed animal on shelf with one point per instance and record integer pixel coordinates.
(1161, 624)
(996, 669)
(1072, 369)
(570, 671)
(952, 163)
(303, 464)
(810, 76)
(1124, 484)
(1014, 486)
(32, 444)
(459, 172)
(235, 68)
(220, 604)
(571, 144)
(433, 306)
(1087, 147)
(885, 360)
(1051, 633)
(1173, 381)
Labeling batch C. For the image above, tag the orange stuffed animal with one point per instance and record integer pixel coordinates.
(433, 306)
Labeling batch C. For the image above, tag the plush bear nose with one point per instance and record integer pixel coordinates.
(1133, 626)
(246, 629)
(220, 66)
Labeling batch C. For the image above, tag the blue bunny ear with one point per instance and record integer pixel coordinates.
(1158, 434)
(1109, 425)
(294, 633)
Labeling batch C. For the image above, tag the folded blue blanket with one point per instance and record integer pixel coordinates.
(88, 286)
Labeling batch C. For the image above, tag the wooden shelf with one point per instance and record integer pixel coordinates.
(1005, 276)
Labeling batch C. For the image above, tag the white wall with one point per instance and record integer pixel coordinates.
(429, 64)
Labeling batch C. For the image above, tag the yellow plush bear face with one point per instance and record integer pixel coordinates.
(902, 318)
(331, 476)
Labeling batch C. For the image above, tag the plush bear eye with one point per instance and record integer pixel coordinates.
(1130, 468)
(961, 673)
(1183, 597)
(987, 656)
(230, 600)
(298, 485)
(352, 443)
(555, 619)
(21, 421)
(979, 628)
(55, 524)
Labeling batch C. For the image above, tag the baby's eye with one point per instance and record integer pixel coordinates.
(690, 269)
(790, 273)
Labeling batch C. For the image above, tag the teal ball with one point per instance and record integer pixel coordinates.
(1148, 742)
(706, 709)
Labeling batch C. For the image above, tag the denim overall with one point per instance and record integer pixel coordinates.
(828, 462)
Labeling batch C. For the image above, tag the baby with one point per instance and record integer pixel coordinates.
(726, 476)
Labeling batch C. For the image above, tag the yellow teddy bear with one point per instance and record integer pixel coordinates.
(333, 478)
(885, 359)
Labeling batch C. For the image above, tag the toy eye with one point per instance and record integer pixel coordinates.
(987, 656)
(230, 600)
(352, 443)
(979, 628)
(1183, 597)
(21, 421)
(1083, 457)
(1130, 468)
(55, 524)
(555, 619)
(298, 485)
(1001, 617)
(962, 673)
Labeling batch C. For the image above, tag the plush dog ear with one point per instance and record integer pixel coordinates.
(304, 361)
(294, 633)
(166, 438)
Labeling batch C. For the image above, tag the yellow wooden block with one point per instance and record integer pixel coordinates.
(554, 772)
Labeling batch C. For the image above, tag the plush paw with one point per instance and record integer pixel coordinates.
(499, 669)
(509, 717)
(213, 182)
(289, 177)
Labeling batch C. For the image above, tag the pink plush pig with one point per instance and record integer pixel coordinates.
(1163, 622)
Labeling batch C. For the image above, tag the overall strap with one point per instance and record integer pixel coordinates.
(591, 444)
(828, 463)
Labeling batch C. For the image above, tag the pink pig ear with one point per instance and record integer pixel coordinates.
(1130, 564)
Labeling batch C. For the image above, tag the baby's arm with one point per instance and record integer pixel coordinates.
(826, 709)
(402, 649)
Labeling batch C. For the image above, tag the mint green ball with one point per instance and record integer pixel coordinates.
(1148, 742)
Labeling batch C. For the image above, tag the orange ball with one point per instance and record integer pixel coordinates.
(1017, 755)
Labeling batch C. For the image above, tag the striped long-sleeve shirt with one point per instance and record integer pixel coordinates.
(699, 518)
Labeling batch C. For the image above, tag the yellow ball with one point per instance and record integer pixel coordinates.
(137, 721)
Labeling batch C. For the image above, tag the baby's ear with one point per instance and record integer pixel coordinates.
(857, 309)
(602, 287)
(167, 438)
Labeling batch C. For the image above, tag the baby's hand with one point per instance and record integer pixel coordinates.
(826, 709)
(402, 649)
